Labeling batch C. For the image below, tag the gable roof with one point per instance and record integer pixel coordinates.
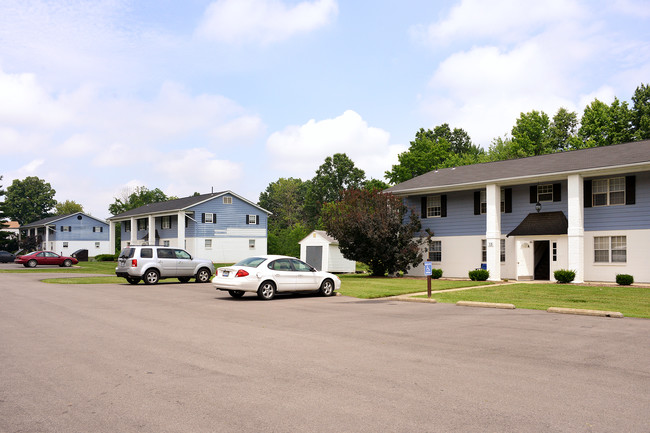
(178, 204)
(542, 224)
(594, 161)
(53, 219)
(323, 234)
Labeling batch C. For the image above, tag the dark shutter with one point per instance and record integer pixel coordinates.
(477, 202)
(508, 200)
(557, 192)
(61, 228)
(533, 193)
(203, 217)
(587, 193)
(101, 229)
(423, 207)
(257, 219)
(214, 218)
(630, 190)
(443, 205)
(246, 219)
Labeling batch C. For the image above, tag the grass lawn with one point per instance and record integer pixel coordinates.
(630, 300)
(101, 268)
(366, 287)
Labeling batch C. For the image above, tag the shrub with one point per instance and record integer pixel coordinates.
(564, 276)
(624, 279)
(106, 258)
(436, 273)
(479, 275)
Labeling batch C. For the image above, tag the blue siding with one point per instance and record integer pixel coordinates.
(228, 216)
(80, 229)
(623, 217)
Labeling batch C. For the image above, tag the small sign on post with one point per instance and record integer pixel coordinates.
(428, 270)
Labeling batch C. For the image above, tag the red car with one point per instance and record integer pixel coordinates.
(45, 258)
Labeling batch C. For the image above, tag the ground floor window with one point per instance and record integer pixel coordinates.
(65, 245)
(97, 244)
(435, 251)
(502, 250)
(208, 243)
(165, 243)
(251, 243)
(610, 249)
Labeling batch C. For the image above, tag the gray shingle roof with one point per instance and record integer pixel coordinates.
(576, 161)
(55, 218)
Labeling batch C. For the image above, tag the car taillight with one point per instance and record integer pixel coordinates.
(134, 263)
(241, 273)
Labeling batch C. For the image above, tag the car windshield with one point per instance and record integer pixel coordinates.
(251, 262)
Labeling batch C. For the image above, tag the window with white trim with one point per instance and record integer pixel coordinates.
(610, 249)
(227, 200)
(484, 201)
(435, 251)
(66, 228)
(502, 250)
(65, 245)
(208, 244)
(208, 218)
(143, 223)
(252, 219)
(545, 192)
(97, 244)
(165, 243)
(608, 192)
(434, 208)
(251, 243)
(166, 222)
(98, 229)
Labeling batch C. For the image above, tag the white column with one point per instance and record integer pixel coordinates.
(47, 236)
(134, 231)
(152, 230)
(111, 237)
(181, 229)
(493, 231)
(576, 230)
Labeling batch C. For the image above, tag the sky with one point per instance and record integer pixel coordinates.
(99, 97)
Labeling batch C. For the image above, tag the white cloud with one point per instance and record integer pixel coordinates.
(263, 21)
(299, 150)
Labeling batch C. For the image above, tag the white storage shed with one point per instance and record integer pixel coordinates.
(322, 252)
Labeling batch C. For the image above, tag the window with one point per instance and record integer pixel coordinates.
(555, 251)
(502, 250)
(98, 229)
(165, 243)
(66, 228)
(182, 255)
(484, 201)
(208, 243)
(143, 223)
(127, 226)
(164, 254)
(65, 245)
(435, 251)
(434, 208)
(166, 222)
(252, 219)
(227, 200)
(96, 244)
(545, 192)
(608, 192)
(280, 265)
(251, 243)
(208, 218)
(610, 249)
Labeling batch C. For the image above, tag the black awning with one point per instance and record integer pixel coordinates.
(542, 224)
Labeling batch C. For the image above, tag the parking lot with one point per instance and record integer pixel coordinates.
(186, 358)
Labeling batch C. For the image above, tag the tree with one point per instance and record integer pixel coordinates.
(375, 185)
(641, 112)
(29, 200)
(604, 125)
(68, 207)
(285, 198)
(335, 175)
(8, 240)
(530, 134)
(140, 196)
(284, 241)
(375, 228)
(431, 149)
(563, 131)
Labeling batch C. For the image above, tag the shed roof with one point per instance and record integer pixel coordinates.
(628, 156)
(323, 234)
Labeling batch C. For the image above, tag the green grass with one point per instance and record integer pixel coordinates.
(80, 268)
(366, 287)
(630, 300)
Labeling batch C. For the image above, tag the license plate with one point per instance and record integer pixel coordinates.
(225, 273)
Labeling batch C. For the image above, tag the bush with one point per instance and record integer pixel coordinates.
(106, 258)
(624, 279)
(479, 275)
(436, 273)
(564, 276)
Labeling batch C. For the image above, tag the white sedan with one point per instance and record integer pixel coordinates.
(268, 275)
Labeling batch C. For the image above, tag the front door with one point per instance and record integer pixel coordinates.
(542, 261)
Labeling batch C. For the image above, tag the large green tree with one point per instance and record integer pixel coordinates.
(431, 149)
(8, 241)
(530, 134)
(285, 198)
(641, 112)
(604, 125)
(137, 197)
(375, 228)
(29, 200)
(68, 207)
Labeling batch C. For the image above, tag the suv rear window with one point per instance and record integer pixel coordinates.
(146, 253)
(127, 253)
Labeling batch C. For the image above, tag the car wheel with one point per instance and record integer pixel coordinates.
(32, 263)
(133, 280)
(203, 276)
(184, 279)
(67, 263)
(151, 276)
(266, 291)
(236, 293)
(326, 288)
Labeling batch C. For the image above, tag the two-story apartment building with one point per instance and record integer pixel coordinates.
(585, 210)
(223, 226)
(65, 234)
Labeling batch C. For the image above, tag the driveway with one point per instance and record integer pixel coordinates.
(185, 358)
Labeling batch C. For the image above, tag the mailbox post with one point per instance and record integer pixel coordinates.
(428, 270)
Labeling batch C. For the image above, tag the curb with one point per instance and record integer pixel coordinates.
(407, 299)
(598, 313)
(485, 305)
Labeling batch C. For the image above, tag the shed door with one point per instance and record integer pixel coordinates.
(315, 256)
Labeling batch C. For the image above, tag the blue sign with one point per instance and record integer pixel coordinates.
(428, 268)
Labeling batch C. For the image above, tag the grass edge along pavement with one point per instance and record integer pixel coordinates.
(632, 301)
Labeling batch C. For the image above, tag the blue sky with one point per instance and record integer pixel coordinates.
(97, 97)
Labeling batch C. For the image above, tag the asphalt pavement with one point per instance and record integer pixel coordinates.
(186, 358)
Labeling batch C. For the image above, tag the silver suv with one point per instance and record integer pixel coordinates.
(152, 263)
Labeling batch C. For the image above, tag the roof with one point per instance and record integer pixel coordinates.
(178, 204)
(624, 156)
(53, 219)
(323, 234)
(542, 224)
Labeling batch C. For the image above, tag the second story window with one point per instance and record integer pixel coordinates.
(433, 206)
(227, 200)
(166, 222)
(545, 192)
(484, 201)
(127, 226)
(608, 192)
(142, 224)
